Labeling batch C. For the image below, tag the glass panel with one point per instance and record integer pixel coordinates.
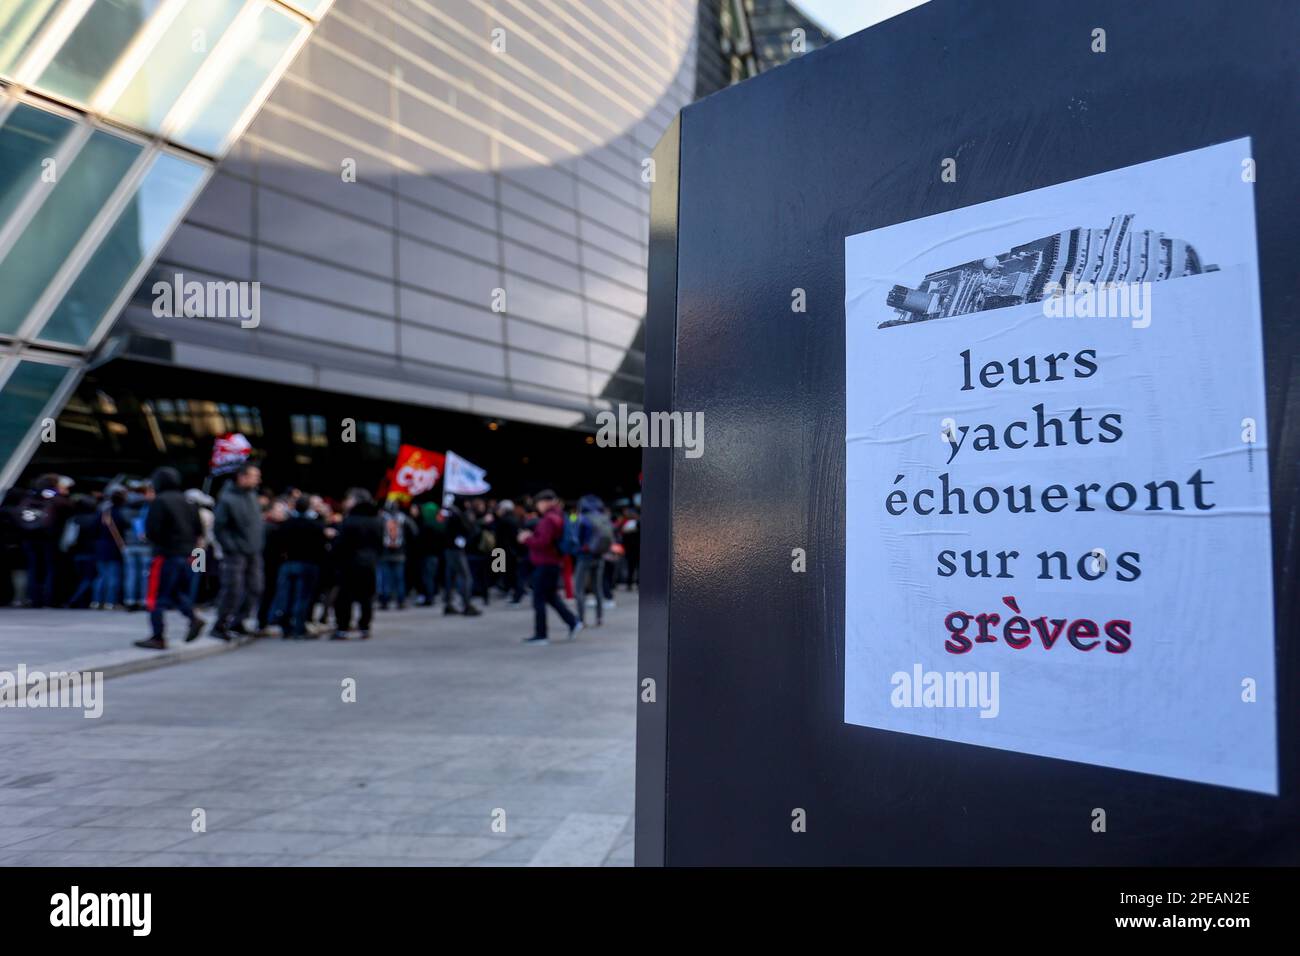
(313, 8)
(177, 55)
(29, 137)
(135, 238)
(28, 390)
(19, 22)
(229, 86)
(94, 46)
(60, 222)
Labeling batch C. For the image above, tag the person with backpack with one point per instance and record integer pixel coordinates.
(399, 530)
(546, 560)
(136, 550)
(40, 518)
(174, 531)
(595, 536)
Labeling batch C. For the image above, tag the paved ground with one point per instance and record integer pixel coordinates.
(462, 747)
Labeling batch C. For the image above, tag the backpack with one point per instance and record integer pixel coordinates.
(568, 543)
(601, 536)
(394, 532)
(35, 514)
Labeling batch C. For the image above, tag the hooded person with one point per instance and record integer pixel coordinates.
(172, 528)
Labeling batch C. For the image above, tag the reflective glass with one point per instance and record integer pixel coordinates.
(43, 247)
(95, 46)
(229, 87)
(28, 391)
(20, 20)
(313, 8)
(28, 137)
(135, 238)
(176, 56)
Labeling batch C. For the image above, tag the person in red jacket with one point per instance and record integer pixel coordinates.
(546, 562)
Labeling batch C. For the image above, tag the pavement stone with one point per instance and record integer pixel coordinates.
(453, 720)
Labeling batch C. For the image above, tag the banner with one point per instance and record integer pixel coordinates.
(464, 477)
(415, 472)
(229, 451)
(1057, 501)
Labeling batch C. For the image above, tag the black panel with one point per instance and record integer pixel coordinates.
(774, 174)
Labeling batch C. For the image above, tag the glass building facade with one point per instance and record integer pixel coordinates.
(113, 114)
(440, 203)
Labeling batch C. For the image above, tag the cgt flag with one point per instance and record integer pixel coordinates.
(415, 472)
(464, 477)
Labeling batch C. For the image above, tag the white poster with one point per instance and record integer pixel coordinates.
(1057, 534)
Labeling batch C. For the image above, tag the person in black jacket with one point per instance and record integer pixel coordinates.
(356, 553)
(173, 529)
(301, 539)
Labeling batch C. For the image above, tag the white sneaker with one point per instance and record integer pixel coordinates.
(573, 631)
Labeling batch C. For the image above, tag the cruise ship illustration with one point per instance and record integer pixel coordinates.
(1115, 254)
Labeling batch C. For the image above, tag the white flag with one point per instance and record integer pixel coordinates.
(463, 477)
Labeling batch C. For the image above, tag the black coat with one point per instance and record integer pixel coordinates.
(360, 539)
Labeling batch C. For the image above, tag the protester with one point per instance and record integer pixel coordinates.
(507, 538)
(595, 535)
(78, 540)
(629, 535)
(302, 540)
(199, 593)
(399, 532)
(136, 552)
(355, 554)
(431, 542)
(546, 562)
(238, 528)
(173, 529)
(109, 547)
(40, 519)
(460, 529)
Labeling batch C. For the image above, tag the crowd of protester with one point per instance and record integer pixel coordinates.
(297, 564)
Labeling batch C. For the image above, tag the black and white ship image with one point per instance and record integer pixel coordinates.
(1076, 257)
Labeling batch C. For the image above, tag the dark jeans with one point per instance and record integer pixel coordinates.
(586, 576)
(546, 578)
(523, 575)
(41, 557)
(136, 560)
(356, 585)
(392, 579)
(458, 576)
(429, 577)
(295, 590)
(169, 589)
(241, 588)
(108, 582)
(86, 570)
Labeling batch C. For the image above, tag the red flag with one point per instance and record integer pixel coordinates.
(415, 472)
